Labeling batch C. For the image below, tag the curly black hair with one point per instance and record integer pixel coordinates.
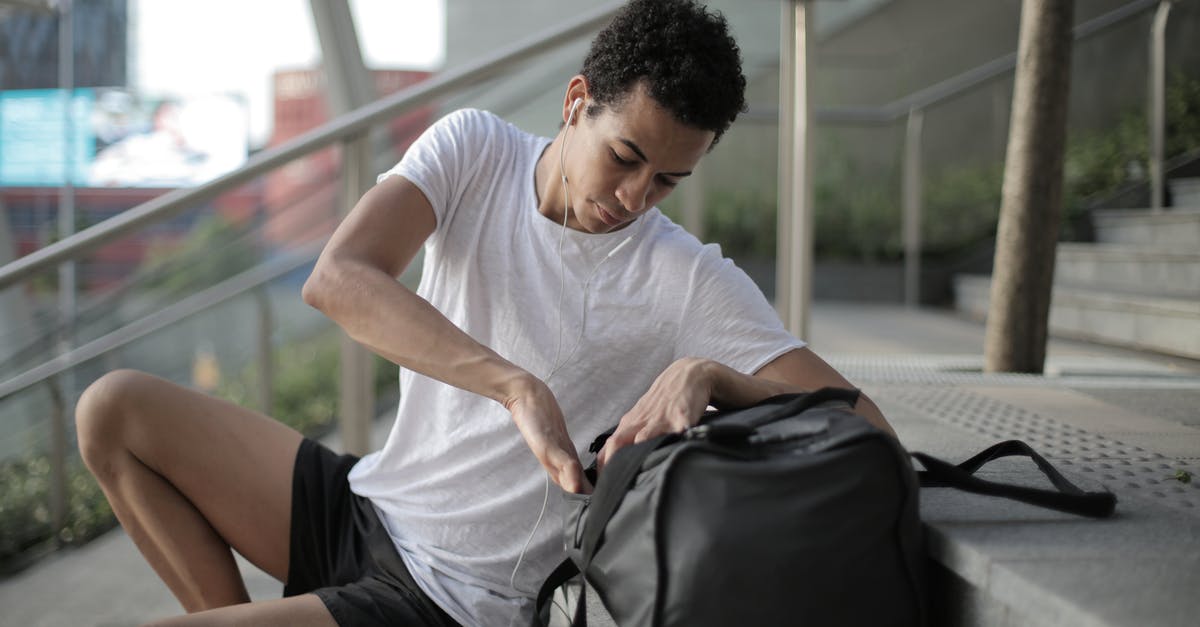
(682, 53)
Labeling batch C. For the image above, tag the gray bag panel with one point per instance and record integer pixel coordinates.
(732, 532)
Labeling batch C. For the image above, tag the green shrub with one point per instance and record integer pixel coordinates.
(306, 383)
(25, 517)
(961, 206)
(214, 250)
(857, 216)
(743, 221)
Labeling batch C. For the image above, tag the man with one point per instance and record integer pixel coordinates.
(555, 299)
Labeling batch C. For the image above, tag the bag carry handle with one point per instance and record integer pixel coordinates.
(1067, 498)
(796, 403)
(789, 405)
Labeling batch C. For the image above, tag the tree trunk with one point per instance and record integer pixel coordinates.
(1030, 211)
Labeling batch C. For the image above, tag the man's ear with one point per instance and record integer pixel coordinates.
(576, 98)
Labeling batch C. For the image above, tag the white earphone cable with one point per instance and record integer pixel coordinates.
(562, 273)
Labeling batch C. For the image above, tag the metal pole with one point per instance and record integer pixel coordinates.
(356, 403)
(63, 390)
(348, 83)
(801, 168)
(58, 458)
(66, 203)
(266, 361)
(1158, 73)
(783, 242)
(349, 86)
(912, 208)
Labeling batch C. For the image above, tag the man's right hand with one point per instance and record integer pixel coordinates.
(540, 420)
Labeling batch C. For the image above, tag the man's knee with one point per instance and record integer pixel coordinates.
(102, 412)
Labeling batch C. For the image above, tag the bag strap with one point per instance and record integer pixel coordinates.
(1067, 497)
(796, 403)
(618, 475)
(561, 575)
(788, 405)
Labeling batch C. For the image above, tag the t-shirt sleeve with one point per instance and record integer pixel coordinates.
(727, 319)
(438, 162)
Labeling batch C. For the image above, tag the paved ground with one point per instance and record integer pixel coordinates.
(1121, 419)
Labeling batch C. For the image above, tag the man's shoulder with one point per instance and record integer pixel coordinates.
(673, 242)
(477, 122)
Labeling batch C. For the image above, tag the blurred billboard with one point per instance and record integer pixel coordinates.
(115, 138)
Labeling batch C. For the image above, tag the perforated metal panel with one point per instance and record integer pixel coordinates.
(931, 387)
(968, 369)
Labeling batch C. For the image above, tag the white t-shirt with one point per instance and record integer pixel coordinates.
(457, 487)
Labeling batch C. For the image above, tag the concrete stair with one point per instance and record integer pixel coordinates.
(1129, 269)
(1138, 286)
(1172, 229)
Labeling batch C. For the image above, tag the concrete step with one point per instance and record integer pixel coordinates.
(1185, 192)
(1171, 229)
(1160, 324)
(1130, 269)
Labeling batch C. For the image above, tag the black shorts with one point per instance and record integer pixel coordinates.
(340, 551)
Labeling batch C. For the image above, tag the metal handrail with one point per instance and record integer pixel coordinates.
(955, 85)
(344, 128)
(189, 306)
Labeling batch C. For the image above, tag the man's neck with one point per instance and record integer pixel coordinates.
(547, 182)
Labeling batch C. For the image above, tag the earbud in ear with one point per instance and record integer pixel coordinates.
(574, 107)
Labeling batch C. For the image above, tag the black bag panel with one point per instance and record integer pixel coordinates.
(622, 569)
(798, 506)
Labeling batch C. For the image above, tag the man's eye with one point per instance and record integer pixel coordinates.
(668, 181)
(618, 158)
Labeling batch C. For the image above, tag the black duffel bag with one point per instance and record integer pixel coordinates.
(793, 511)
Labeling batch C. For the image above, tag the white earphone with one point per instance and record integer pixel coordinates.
(574, 106)
(556, 366)
(563, 149)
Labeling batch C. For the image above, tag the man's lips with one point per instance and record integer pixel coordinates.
(608, 217)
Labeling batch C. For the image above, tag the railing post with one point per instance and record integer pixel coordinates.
(63, 389)
(356, 404)
(60, 402)
(266, 360)
(783, 202)
(795, 257)
(1157, 117)
(912, 208)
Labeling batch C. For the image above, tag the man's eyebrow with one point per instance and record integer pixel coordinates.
(641, 155)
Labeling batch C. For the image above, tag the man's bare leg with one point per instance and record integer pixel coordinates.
(190, 476)
(304, 610)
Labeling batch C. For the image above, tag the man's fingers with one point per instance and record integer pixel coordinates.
(573, 480)
(564, 469)
(618, 439)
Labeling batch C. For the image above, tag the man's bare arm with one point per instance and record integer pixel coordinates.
(800, 370)
(354, 283)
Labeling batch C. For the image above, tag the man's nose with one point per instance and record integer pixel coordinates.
(633, 193)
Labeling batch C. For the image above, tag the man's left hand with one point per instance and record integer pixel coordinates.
(673, 403)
